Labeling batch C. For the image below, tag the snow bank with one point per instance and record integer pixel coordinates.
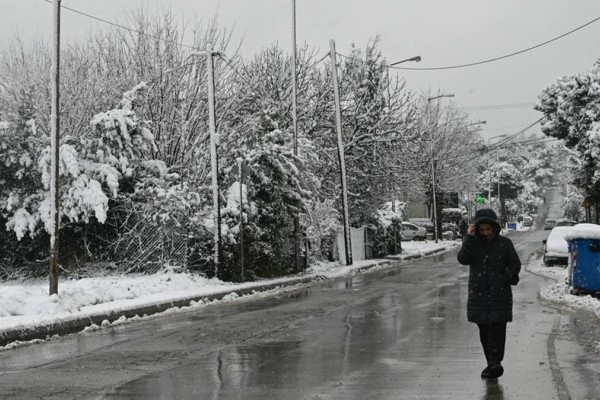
(25, 304)
(559, 292)
(584, 231)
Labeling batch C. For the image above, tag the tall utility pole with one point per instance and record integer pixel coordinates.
(214, 163)
(489, 184)
(490, 178)
(295, 127)
(54, 168)
(294, 80)
(342, 160)
(435, 223)
(499, 200)
(241, 177)
(433, 167)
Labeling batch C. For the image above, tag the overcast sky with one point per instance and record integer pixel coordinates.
(443, 32)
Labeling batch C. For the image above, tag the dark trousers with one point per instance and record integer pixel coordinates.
(493, 340)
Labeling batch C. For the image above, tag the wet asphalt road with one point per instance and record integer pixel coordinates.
(399, 333)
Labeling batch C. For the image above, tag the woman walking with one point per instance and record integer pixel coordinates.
(493, 267)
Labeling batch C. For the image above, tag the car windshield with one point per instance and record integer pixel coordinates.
(550, 221)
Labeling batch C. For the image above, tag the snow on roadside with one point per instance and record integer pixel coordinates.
(558, 292)
(416, 247)
(26, 304)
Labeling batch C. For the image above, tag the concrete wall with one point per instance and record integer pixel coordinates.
(357, 236)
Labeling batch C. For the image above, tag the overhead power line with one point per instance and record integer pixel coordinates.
(383, 65)
(488, 60)
(499, 107)
(511, 137)
(125, 27)
(503, 127)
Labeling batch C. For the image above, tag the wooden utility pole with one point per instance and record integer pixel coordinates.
(338, 124)
(214, 164)
(54, 168)
(435, 222)
(241, 178)
(295, 128)
(294, 80)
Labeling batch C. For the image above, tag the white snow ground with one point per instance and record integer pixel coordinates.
(558, 292)
(26, 304)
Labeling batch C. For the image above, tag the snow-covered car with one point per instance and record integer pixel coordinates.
(411, 231)
(527, 221)
(424, 222)
(565, 222)
(556, 249)
(549, 224)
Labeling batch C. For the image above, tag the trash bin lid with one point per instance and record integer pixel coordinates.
(583, 231)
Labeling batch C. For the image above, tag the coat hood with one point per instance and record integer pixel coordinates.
(487, 215)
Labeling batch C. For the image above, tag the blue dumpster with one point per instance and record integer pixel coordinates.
(584, 258)
(511, 226)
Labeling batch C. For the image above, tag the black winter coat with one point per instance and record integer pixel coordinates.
(493, 267)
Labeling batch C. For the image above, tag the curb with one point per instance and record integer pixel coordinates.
(434, 251)
(76, 325)
(416, 255)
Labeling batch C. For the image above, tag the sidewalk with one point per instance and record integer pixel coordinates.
(27, 312)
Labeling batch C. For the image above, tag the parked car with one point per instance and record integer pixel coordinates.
(527, 221)
(549, 224)
(411, 231)
(424, 222)
(565, 222)
(556, 249)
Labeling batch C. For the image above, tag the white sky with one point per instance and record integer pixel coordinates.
(443, 32)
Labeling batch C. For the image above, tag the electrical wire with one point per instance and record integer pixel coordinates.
(503, 127)
(511, 137)
(488, 60)
(347, 57)
(125, 27)
(499, 107)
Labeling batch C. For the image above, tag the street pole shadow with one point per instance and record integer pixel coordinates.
(493, 390)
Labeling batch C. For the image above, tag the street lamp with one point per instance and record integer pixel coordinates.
(412, 59)
(478, 123)
(415, 59)
(433, 166)
(440, 96)
(490, 180)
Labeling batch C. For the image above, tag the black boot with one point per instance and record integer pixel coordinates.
(495, 371)
(485, 373)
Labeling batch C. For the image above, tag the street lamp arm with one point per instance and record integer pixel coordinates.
(478, 123)
(415, 59)
(440, 96)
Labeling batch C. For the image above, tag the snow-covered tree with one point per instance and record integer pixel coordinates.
(323, 224)
(571, 108)
(89, 171)
(508, 179)
(572, 205)
(444, 134)
(279, 185)
(262, 103)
